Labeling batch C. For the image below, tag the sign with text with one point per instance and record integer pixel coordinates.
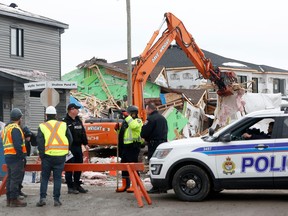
(35, 85)
(62, 84)
(50, 84)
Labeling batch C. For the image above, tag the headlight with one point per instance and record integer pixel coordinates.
(161, 153)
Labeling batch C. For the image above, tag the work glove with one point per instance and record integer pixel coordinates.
(125, 113)
(117, 126)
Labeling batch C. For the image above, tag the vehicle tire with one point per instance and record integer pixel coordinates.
(191, 183)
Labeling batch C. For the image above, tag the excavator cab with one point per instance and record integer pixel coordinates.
(101, 131)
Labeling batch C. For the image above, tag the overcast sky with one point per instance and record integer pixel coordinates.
(254, 31)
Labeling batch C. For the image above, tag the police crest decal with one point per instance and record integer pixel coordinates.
(228, 166)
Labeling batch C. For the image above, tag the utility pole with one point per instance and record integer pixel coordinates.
(129, 69)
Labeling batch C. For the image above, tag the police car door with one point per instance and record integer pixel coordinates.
(245, 163)
(280, 157)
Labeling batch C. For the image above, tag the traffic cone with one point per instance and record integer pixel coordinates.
(112, 172)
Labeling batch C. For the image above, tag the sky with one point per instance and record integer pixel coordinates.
(253, 31)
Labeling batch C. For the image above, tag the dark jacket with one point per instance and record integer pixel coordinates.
(155, 128)
(77, 130)
(261, 136)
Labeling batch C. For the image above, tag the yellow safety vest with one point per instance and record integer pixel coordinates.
(132, 133)
(56, 142)
(8, 141)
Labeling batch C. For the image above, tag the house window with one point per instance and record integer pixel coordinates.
(276, 85)
(17, 44)
(243, 81)
(255, 85)
(187, 76)
(174, 77)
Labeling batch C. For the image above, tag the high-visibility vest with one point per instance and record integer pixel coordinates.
(132, 133)
(8, 141)
(56, 142)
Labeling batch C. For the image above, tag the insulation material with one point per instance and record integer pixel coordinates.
(94, 175)
(176, 122)
(227, 108)
(235, 106)
(98, 178)
(193, 114)
(264, 101)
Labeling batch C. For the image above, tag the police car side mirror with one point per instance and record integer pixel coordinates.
(211, 131)
(225, 138)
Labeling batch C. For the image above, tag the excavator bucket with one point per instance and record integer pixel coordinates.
(225, 92)
(225, 83)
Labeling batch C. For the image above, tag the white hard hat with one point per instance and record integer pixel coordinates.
(50, 110)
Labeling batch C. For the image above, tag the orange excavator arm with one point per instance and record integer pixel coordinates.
(154, 51)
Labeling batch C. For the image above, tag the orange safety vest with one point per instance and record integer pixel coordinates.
(8, 141)
(56, 142)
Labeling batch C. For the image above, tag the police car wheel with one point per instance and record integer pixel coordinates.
(191, 183)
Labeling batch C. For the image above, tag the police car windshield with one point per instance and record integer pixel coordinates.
(220, 130)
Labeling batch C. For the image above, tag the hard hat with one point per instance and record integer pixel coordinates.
(16, 114)
(51, 110)
(132, 109)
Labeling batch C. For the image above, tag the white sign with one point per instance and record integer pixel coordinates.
(35, 85)
(50, 84)
(62, 84)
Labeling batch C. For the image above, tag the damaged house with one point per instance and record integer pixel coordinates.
(176, 86)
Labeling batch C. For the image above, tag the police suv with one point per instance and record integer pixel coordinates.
(196, 167)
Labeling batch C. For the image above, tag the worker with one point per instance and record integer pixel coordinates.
(154, 132)
(262, 135)
(78, 132)
(129, 143)
(15, 157)
(53, 140)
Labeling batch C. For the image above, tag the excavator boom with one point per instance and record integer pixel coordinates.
(101, 131)
(154, 52)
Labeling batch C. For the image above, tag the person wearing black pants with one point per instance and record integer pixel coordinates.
(155, 132)
(129, 143)
(78, 132)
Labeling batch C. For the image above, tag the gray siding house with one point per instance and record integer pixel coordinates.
(30, 51)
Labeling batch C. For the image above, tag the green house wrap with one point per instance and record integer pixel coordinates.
(176, 121)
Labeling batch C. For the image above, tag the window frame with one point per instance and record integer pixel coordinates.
(16, 42)
(255, 84)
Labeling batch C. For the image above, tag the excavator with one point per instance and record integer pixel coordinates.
(145, 64)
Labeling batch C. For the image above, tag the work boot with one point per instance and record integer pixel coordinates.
(17, 203)
(130, 189)
(73, 191)
(57, 203)
(22, 194)
(41, 202)
(125, 182)
(81, 189)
